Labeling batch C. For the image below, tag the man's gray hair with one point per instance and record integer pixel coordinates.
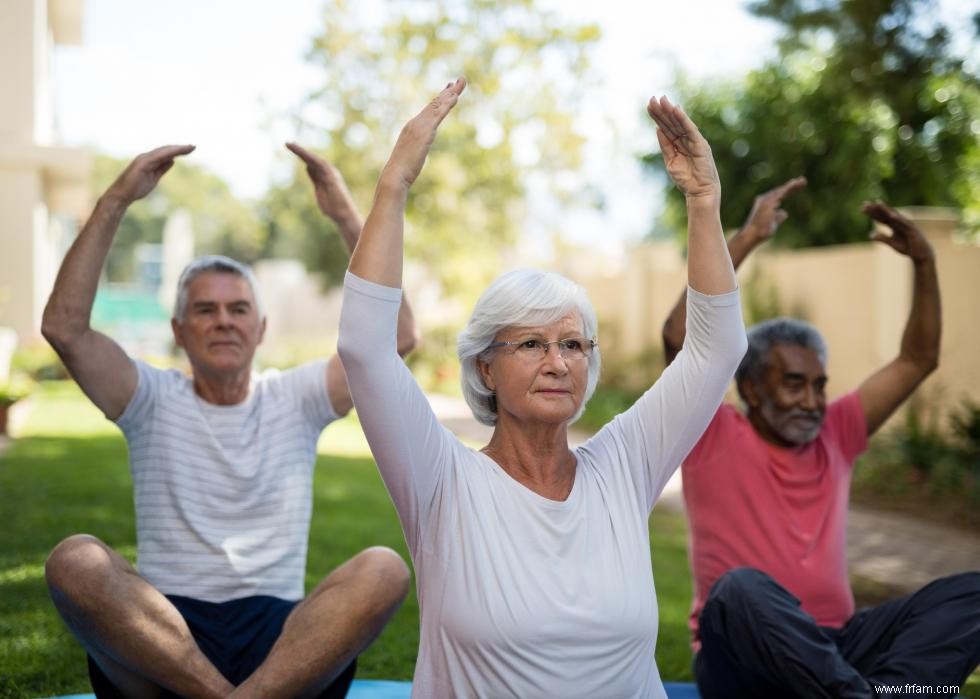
(214, 263)
(777, 331)
(521, 298)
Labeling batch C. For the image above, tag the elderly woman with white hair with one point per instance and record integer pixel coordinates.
(533, 559)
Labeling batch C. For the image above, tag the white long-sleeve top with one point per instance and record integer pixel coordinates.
(519, 595)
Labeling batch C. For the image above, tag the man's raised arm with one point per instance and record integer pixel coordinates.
(99, 365)
(886, 389)
(335, 201)
(760, 225)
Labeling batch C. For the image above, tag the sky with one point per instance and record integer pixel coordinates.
(224, 75)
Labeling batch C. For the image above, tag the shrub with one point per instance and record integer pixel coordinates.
(40, 362)
(965, 424)
(921, 468)
(17, 387)
(921, 444)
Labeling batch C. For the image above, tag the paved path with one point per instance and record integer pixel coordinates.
(894, 551)
(905, 553)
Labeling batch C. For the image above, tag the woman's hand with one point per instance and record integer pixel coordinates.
(415, 140)
(378, 255)
(692, 168)
(687, 154)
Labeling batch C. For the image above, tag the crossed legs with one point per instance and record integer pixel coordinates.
(144, 646)
(757, 641)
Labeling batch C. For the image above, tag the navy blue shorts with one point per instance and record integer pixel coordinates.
(236, 636)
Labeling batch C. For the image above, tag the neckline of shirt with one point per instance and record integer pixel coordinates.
(527, 493)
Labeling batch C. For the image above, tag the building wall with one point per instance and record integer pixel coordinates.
(857, 295)
(959, 364)
(18, 243)
(43, 187)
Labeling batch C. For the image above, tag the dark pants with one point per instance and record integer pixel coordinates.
(757, 642)
(236, 636)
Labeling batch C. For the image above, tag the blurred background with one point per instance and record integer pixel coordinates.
(548, 160)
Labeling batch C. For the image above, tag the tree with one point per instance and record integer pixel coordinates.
(525, 71)
(296, 229)
(865, 99)
(222, 224)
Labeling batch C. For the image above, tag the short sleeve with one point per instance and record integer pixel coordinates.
(307, 386)
(139, 410)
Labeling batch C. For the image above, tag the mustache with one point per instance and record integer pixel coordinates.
(803, 414)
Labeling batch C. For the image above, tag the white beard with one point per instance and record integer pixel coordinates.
(797, 426)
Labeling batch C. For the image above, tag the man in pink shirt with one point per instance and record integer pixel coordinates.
(767, 494)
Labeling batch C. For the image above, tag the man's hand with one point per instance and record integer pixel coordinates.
(99, 365)
(143, 174)
(687, 154)
(332, 195)
(766, 214)
(905, 237)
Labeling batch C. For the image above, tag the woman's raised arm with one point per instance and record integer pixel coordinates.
(378, 255)
(411, 448)
(691, 166)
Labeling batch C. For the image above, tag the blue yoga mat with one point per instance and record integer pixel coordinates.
(681, 690)
(386, 689)
(360, 689)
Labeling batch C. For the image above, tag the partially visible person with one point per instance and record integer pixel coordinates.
(222, 464)
(767, 494)
(533, 559)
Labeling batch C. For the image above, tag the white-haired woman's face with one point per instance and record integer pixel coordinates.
(532, 386)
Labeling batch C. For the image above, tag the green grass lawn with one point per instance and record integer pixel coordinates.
(67, 473)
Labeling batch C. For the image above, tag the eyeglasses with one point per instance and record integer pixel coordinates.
(571, 349)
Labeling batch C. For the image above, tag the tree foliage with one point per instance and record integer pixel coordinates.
(865, 98)
(222, 224)
(525, 68)
(295, 229)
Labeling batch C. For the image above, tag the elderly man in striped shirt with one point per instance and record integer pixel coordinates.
(222, 465)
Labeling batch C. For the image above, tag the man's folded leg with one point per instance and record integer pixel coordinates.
(135, 635)
(326, 631)
(757, 641)
(928, 638)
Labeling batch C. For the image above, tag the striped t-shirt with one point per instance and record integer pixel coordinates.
(223, 493)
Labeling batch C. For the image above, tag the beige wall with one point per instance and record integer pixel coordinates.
(43, 188)
(292, 297)
(959, 364)
(857, 295)
(17, 240)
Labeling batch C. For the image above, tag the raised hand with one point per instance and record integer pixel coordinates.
(378, 255)
(905, 237)
(142, 175)
(415, 139)
(687, 154)
(332, 195)
(766, 215)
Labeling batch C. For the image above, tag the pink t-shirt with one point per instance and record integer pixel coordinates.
(783, 511)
